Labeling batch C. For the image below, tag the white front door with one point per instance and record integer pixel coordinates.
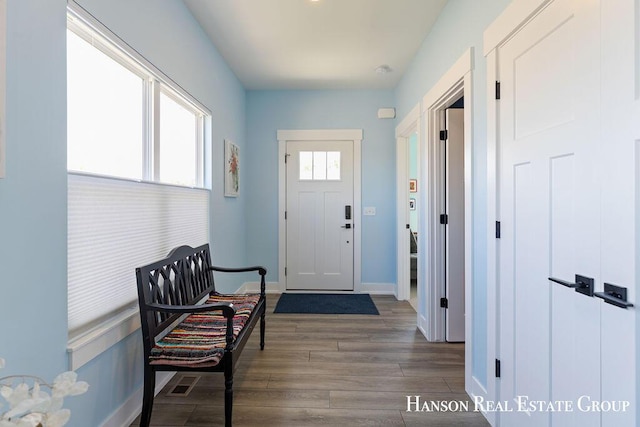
(550, 214)
(319, 215)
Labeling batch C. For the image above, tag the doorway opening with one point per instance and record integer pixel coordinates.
(438, 215)
(452, 228)
(408, 189)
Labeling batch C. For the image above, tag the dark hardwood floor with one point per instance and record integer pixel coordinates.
(330, 370)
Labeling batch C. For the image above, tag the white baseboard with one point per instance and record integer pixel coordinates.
(254, 287)
(378, 289)
(477, 389)
(131, 408)
(364, 288)
(422, 326)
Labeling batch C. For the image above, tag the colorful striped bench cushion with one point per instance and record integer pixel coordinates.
(199, 340)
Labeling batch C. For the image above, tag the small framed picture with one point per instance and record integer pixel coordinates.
(412, 204)
(231, 169)
(413, 185)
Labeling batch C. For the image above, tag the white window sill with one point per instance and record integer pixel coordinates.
(84, 348)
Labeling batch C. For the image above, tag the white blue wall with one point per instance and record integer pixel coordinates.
(459, 27)
(268, 111)
(33, 207)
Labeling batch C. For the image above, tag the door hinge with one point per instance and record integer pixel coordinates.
(444, 219)
(444, 303)
(497, 229)
(497, 368)
(497, 89)
(444, 135)
(285, 271)
(285, 215)
(285, 157)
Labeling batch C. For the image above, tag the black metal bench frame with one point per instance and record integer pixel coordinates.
(176, 286)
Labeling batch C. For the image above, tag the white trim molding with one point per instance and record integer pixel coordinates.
(354, 135)
(254, 288)
(132, 407)
(503, 27)
(87, 346)
(508, 22)
(455, 82)
(378, 289)
(409, 125)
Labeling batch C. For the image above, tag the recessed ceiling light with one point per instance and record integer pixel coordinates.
(384, 69)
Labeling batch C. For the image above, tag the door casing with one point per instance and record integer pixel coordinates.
(409, 125)
(354, 135)
(456, 82)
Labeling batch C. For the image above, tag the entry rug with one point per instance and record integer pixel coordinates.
(326, 304)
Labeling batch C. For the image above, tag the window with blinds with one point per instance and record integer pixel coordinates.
(115, 226)
(135, 171)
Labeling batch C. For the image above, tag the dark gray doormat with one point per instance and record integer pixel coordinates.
(326, 304)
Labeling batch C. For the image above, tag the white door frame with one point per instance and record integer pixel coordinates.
(456, 82)
(513, 17)
(409, 125)
(352, 135)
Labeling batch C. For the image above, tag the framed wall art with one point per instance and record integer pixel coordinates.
(231, 169)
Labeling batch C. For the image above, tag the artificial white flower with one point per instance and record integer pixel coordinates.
(65, 384)
(58, 418)
(31, 420)
(31, 406)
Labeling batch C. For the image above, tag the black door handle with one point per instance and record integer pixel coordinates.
(582, 284)
(564, 282)
(615, 295)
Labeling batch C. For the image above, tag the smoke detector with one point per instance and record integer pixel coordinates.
(384, 69)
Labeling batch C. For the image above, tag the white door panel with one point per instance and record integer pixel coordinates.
(319, 237)
(548, 184)
(620, 204)
(454, 270)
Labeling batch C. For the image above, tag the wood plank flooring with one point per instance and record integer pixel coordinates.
(330, 370)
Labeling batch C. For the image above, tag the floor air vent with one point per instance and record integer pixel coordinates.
(184, 386)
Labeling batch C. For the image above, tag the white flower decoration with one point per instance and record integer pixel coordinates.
(30, 406)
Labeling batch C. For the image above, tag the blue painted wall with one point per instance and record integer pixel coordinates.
(33, 201)
(268, 111)
(33, 207)
(459, 27)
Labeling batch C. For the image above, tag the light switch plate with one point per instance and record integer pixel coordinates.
(369, 211)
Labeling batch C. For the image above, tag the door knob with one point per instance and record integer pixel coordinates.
(346, 226)
(582, 284)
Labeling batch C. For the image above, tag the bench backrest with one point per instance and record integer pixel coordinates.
(182, 278)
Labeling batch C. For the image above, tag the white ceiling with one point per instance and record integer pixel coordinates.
(328, 44)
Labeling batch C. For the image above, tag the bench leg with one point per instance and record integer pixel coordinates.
(228, 394)
(147, 397)
(262, 326)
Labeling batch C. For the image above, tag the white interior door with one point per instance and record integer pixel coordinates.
(549, 212)
(319, 215)
(454, 241)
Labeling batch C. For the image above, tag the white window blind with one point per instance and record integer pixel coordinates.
(115, 226)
